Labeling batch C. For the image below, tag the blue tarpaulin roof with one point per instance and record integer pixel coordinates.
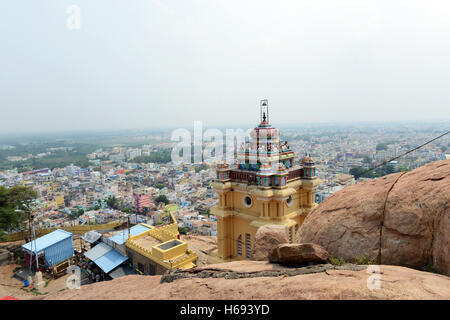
(105, 257)
(57, 246)
(122, 236)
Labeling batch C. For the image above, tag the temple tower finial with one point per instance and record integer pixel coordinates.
(264, 108)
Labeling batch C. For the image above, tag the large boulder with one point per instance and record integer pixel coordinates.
(401, 219)
(298, 254)
(268, 237)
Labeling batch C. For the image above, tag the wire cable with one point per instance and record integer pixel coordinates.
(409, 151)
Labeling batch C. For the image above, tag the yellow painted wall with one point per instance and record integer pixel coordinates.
(80, 230)
(164, 234)
(234, 219)
(170, 253)
(59, 201)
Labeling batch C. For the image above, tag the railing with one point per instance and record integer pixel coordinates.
(264, 153)
(249, 177)
(243, 176)
(295, 174)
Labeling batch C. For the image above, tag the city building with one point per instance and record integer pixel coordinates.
(51, 250)
(141, 201)
(158, 249)
(265, 188)
(105, 257)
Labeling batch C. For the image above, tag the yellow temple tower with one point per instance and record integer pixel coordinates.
(263, 187)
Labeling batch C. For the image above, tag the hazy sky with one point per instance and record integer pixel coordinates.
(147, 63)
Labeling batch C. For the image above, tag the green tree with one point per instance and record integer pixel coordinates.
(3, 236)
(112, 202)
(161, 156)
(201, 167)
(402, 168)
(306, 137)
(16, 206)
(382, 146)
(182, 230)
(162, 198)
(389, 169)
(357, 172)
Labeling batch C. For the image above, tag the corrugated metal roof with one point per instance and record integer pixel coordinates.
(110, 260)
(59, 251)
(91, 236)
(105, 257)
(122, 236)
(46, 241)
(98, 251)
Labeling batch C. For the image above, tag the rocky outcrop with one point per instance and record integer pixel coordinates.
(268, 237)
(400, 219)
(262, 280)
(203, 246)
(298, 254)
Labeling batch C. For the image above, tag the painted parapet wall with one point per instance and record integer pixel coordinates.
(79, 230)
(170, 252)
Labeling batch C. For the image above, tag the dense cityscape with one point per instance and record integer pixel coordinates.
(107, 183)
(214, 158)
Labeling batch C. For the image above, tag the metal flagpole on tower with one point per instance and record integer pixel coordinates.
(264, 109)
(260, 110)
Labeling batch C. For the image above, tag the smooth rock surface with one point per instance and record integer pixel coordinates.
(401, 219)
(394, 283)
